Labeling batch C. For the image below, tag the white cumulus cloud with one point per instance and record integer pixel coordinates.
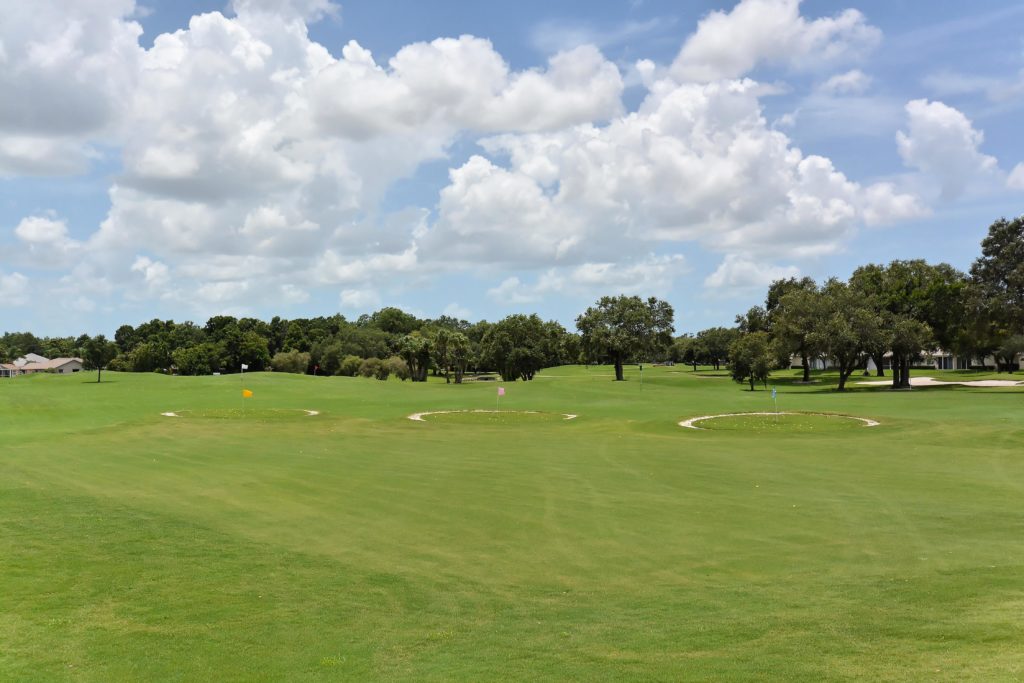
(731, 44)
(941, 142)
(740, 273)
(1016, 179)
(14, 289)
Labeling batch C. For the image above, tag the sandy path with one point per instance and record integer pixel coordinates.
(932, 382)
(690, 424)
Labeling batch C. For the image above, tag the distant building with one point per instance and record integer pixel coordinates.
(32, 362)
(29, 358)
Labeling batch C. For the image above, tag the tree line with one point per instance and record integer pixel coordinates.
(891, 314)
(389, 342)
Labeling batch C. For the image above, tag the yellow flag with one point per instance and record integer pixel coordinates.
(246, 393)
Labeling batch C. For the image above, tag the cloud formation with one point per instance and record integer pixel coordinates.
(732, 44)
(257, 166)
(942, 143)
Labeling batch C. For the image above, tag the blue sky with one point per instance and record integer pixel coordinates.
(303, 157)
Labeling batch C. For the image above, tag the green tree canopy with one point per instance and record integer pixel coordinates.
(622, 328)
(97, 353)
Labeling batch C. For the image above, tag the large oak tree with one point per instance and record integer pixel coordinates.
(619, 328)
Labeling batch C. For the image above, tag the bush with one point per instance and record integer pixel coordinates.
(290, 361)
(330, 359)
(398, 367)
(350, 366)
(370, 367)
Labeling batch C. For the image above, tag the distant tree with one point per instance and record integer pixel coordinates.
(906, 291)
(515, 347)
(440, 350)
(754, 320)
(794, 320)
(414, 349)
(752, 358)
(908, 337)
(124, 337)
(148, 356)
(848, 328)
(296, 338)
(460, 351)
(97, 353)
(328, 356)
(399, 368)
(621, 328)
(780, 288)
(1006, 355)
(979, 331)
(682, 350)
(395, 321)
(572, 348)
(712, 345)
(201, 359)
(290, 361)
(999, 271)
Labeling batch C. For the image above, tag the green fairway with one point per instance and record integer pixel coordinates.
(257, 541)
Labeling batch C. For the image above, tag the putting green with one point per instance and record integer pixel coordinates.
(490, 417)
(256, 414)
(778, 422)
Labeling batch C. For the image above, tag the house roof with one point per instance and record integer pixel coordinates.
(50, 364)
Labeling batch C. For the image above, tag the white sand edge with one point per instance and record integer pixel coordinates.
(418, 417)
(932, 382)
(309, 413)
(689, 424)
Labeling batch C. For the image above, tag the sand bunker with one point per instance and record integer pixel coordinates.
(418, 417)
(932, 382)
(692, 422)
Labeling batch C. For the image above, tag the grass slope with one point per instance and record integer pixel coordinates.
(359, 545)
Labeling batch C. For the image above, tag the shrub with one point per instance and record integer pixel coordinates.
(369, 367)
(350, 366)
(290, 361)
(398, 367)
(382, 371)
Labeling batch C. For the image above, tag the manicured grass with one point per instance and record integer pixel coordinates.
(359, 545)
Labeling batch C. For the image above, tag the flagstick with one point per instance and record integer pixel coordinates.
(242, 378)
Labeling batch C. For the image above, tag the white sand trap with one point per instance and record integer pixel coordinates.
(932, 382)
(170, 415)
(691, 423)
(418, 417)
(311, 413)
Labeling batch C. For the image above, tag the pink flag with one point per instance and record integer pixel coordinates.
(501, 391)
